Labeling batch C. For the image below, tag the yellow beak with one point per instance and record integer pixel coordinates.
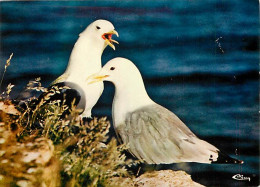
(108, 38)
(96, 78)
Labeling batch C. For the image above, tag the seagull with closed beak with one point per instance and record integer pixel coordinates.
(85, 60)
(152, 133)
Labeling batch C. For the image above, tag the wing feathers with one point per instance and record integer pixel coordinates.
(156, 135)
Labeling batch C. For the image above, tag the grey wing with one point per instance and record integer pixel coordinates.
(156, 135)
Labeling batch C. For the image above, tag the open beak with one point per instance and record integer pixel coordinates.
(108, 38)
(96, 78)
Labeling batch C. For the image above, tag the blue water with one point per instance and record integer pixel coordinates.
(198, 58)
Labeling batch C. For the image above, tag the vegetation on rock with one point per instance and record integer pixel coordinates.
(37, 147)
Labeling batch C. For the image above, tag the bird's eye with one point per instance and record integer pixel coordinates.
(112, 68)
(98, 27)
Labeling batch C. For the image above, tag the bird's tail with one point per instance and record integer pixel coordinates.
(223, 158)
(203, 152)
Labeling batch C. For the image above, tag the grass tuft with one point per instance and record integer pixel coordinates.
(8, 62)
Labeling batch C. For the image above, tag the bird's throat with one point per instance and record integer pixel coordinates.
(85, 58)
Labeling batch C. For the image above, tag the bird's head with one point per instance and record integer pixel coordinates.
(119, 71)
(128, 83)
(102, 31)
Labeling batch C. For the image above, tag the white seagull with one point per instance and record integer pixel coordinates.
(85, 60)
(153, 134)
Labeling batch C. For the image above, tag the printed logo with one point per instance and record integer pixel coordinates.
(240, 177)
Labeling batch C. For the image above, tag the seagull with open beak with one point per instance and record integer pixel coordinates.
(85, 60)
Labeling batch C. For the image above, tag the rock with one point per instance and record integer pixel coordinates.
(28, 163)
(165, 178)
(8, 108)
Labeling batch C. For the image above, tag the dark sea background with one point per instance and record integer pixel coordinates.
(199, 59)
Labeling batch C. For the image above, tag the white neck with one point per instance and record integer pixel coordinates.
(129, 98)
(85, 58)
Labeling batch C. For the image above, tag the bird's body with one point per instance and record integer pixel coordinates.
(92, 92)
(156, 135)
(85, 60)
(153, 134)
